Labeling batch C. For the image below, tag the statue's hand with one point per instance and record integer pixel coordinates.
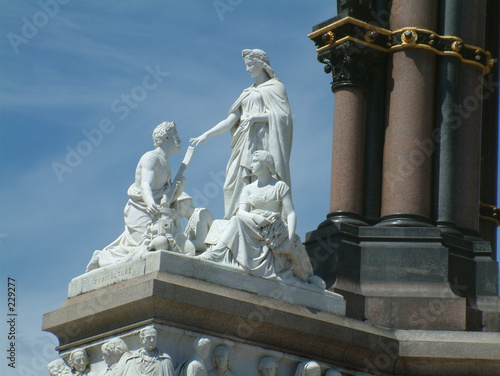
(198, 140)
(260, 221)
(180, 184)
(153, 209)
(255, 118)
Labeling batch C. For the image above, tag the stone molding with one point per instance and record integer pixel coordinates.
(292, 291)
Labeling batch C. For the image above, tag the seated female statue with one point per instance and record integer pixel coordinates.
(260, 238)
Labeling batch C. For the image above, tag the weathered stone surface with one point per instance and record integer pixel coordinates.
(396, 277)
(105, 277)
(174, 263)
(184, 308)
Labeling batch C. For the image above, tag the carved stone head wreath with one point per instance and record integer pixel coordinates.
(260, 57)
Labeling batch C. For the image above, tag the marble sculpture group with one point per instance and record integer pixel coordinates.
(256, 236)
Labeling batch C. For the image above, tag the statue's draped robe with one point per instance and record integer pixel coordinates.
(199, 222)
(117, 368)
(217, 372)
(193, 367)
(246, 246)
(274, 136)
(140, 363)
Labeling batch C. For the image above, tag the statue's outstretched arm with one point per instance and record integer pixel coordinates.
(218, 129)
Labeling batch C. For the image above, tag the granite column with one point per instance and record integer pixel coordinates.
(446, 98)
(468, 123)
(406, 190)
(349, 64)
(347, 152)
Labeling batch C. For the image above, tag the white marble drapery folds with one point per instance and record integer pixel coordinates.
(196, 365)
(275, 136)
(151, 197)
(136, 221)
(245, 245)
(144, 363)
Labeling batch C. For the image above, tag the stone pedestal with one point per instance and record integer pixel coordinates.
(252, 326)
(484, 314)
(292, 291)
(390, 276)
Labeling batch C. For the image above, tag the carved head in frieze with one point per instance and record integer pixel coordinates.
(201, 346)
(149, 337)
(308, 368)
(57, 367)
(268, 366)
(223, 358)
(113, 350)
(333, 372)
(79, 360)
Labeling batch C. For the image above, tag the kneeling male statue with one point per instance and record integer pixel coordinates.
(150, 197)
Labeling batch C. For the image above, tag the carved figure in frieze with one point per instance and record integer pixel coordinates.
(150, 198)
(79, 361)
(223, 360)
(258, 239)
(58, 367)
(333, 372)
(148, 360)
(196, 366)
(308, 368)
(268, 366)
(199, 221)
(114, 353)
(260, 119)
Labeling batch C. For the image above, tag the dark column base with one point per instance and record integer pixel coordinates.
(343, 216)
(449, 228)
(404, 220)
(485, 315)
(474, 275)
(473, 271)
(392, 276)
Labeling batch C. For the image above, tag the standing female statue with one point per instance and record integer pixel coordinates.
(260, 119)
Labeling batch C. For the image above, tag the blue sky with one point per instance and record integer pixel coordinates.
(73, 73)
(86, 65)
